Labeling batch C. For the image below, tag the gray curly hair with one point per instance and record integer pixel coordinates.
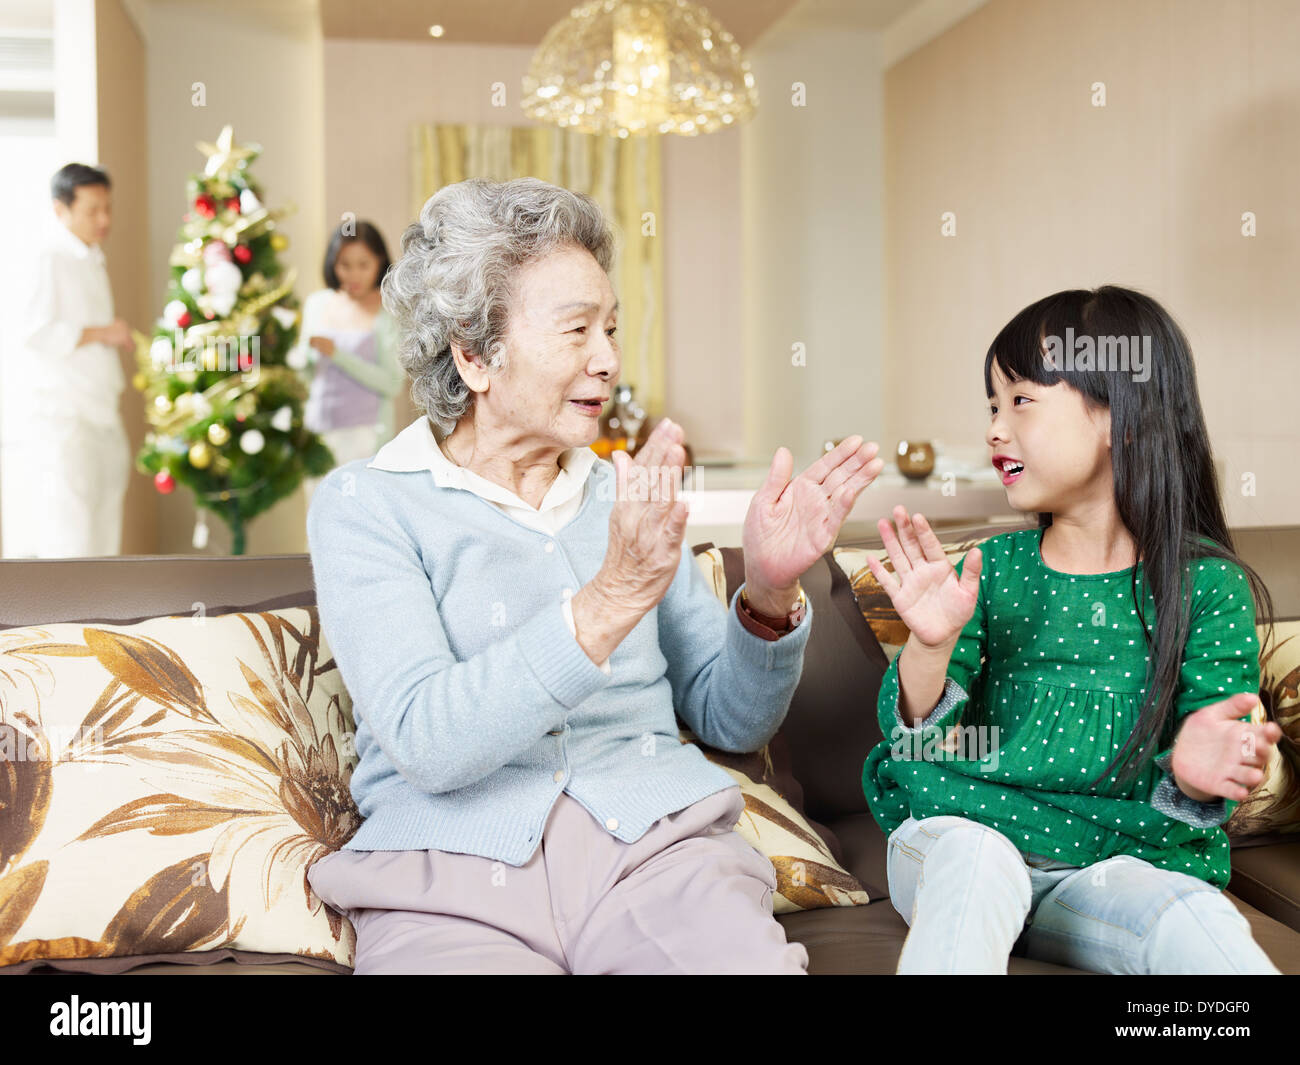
(455, 279)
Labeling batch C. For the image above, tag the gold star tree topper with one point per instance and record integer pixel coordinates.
(226, 156)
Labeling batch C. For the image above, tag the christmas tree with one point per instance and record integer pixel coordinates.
(221, 395)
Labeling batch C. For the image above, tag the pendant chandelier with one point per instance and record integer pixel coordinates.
(626, 67)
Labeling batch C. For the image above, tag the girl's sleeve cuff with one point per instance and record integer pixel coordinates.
(953, 694)
(1175, 803)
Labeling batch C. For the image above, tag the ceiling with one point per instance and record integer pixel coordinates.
(904, 24)
(523, 22)
(518, 22)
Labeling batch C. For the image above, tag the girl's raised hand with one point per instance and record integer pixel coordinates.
(933, 602)
(1218, 755)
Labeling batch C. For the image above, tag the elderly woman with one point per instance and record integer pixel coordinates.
(517, 621)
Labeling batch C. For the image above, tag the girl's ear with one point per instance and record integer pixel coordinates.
(1104, 426)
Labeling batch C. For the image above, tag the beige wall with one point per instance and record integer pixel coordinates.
(121, 110)
(993, 121)
(812, 233)
(375, 91)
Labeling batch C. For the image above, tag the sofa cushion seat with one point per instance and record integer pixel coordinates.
(867, 940)
(1269, 879)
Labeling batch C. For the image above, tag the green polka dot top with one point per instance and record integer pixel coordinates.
(1046, 683)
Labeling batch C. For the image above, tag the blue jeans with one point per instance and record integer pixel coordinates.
(970, 898)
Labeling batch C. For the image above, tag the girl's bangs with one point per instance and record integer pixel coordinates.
(1019, 349)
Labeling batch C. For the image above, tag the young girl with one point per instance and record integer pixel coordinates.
(1101, 669)
(348, 340)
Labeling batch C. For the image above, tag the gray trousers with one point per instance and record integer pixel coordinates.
(690, 896)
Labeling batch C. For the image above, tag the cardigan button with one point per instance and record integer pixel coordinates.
(612, 824)
(556, 732)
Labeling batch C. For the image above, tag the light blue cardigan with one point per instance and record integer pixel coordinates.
(476, 707)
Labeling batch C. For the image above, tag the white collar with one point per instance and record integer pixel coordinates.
(416, 448)
(72, 243)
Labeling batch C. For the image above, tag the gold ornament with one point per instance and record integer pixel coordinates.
(139, 382)
(200, 456)
(218, 434)
(279, 241)
(162, 404)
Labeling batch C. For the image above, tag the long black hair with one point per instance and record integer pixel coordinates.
(1166, 488)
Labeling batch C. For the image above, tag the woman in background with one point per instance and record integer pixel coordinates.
(347, 342)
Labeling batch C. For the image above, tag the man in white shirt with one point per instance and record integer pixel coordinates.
(65, 452)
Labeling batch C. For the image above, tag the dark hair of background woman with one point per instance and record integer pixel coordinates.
(1166, 488)
(367, 235)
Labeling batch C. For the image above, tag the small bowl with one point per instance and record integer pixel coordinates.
(915, 459)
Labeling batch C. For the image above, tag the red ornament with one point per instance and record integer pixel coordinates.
(183, 320)
(239, 417)
(207, 314)
(242, 253)
(164, 482)
(232, 204)
(206, 206)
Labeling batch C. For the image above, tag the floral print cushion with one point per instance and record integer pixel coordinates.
(165, 785)
(873, 601)
(1274, 803)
